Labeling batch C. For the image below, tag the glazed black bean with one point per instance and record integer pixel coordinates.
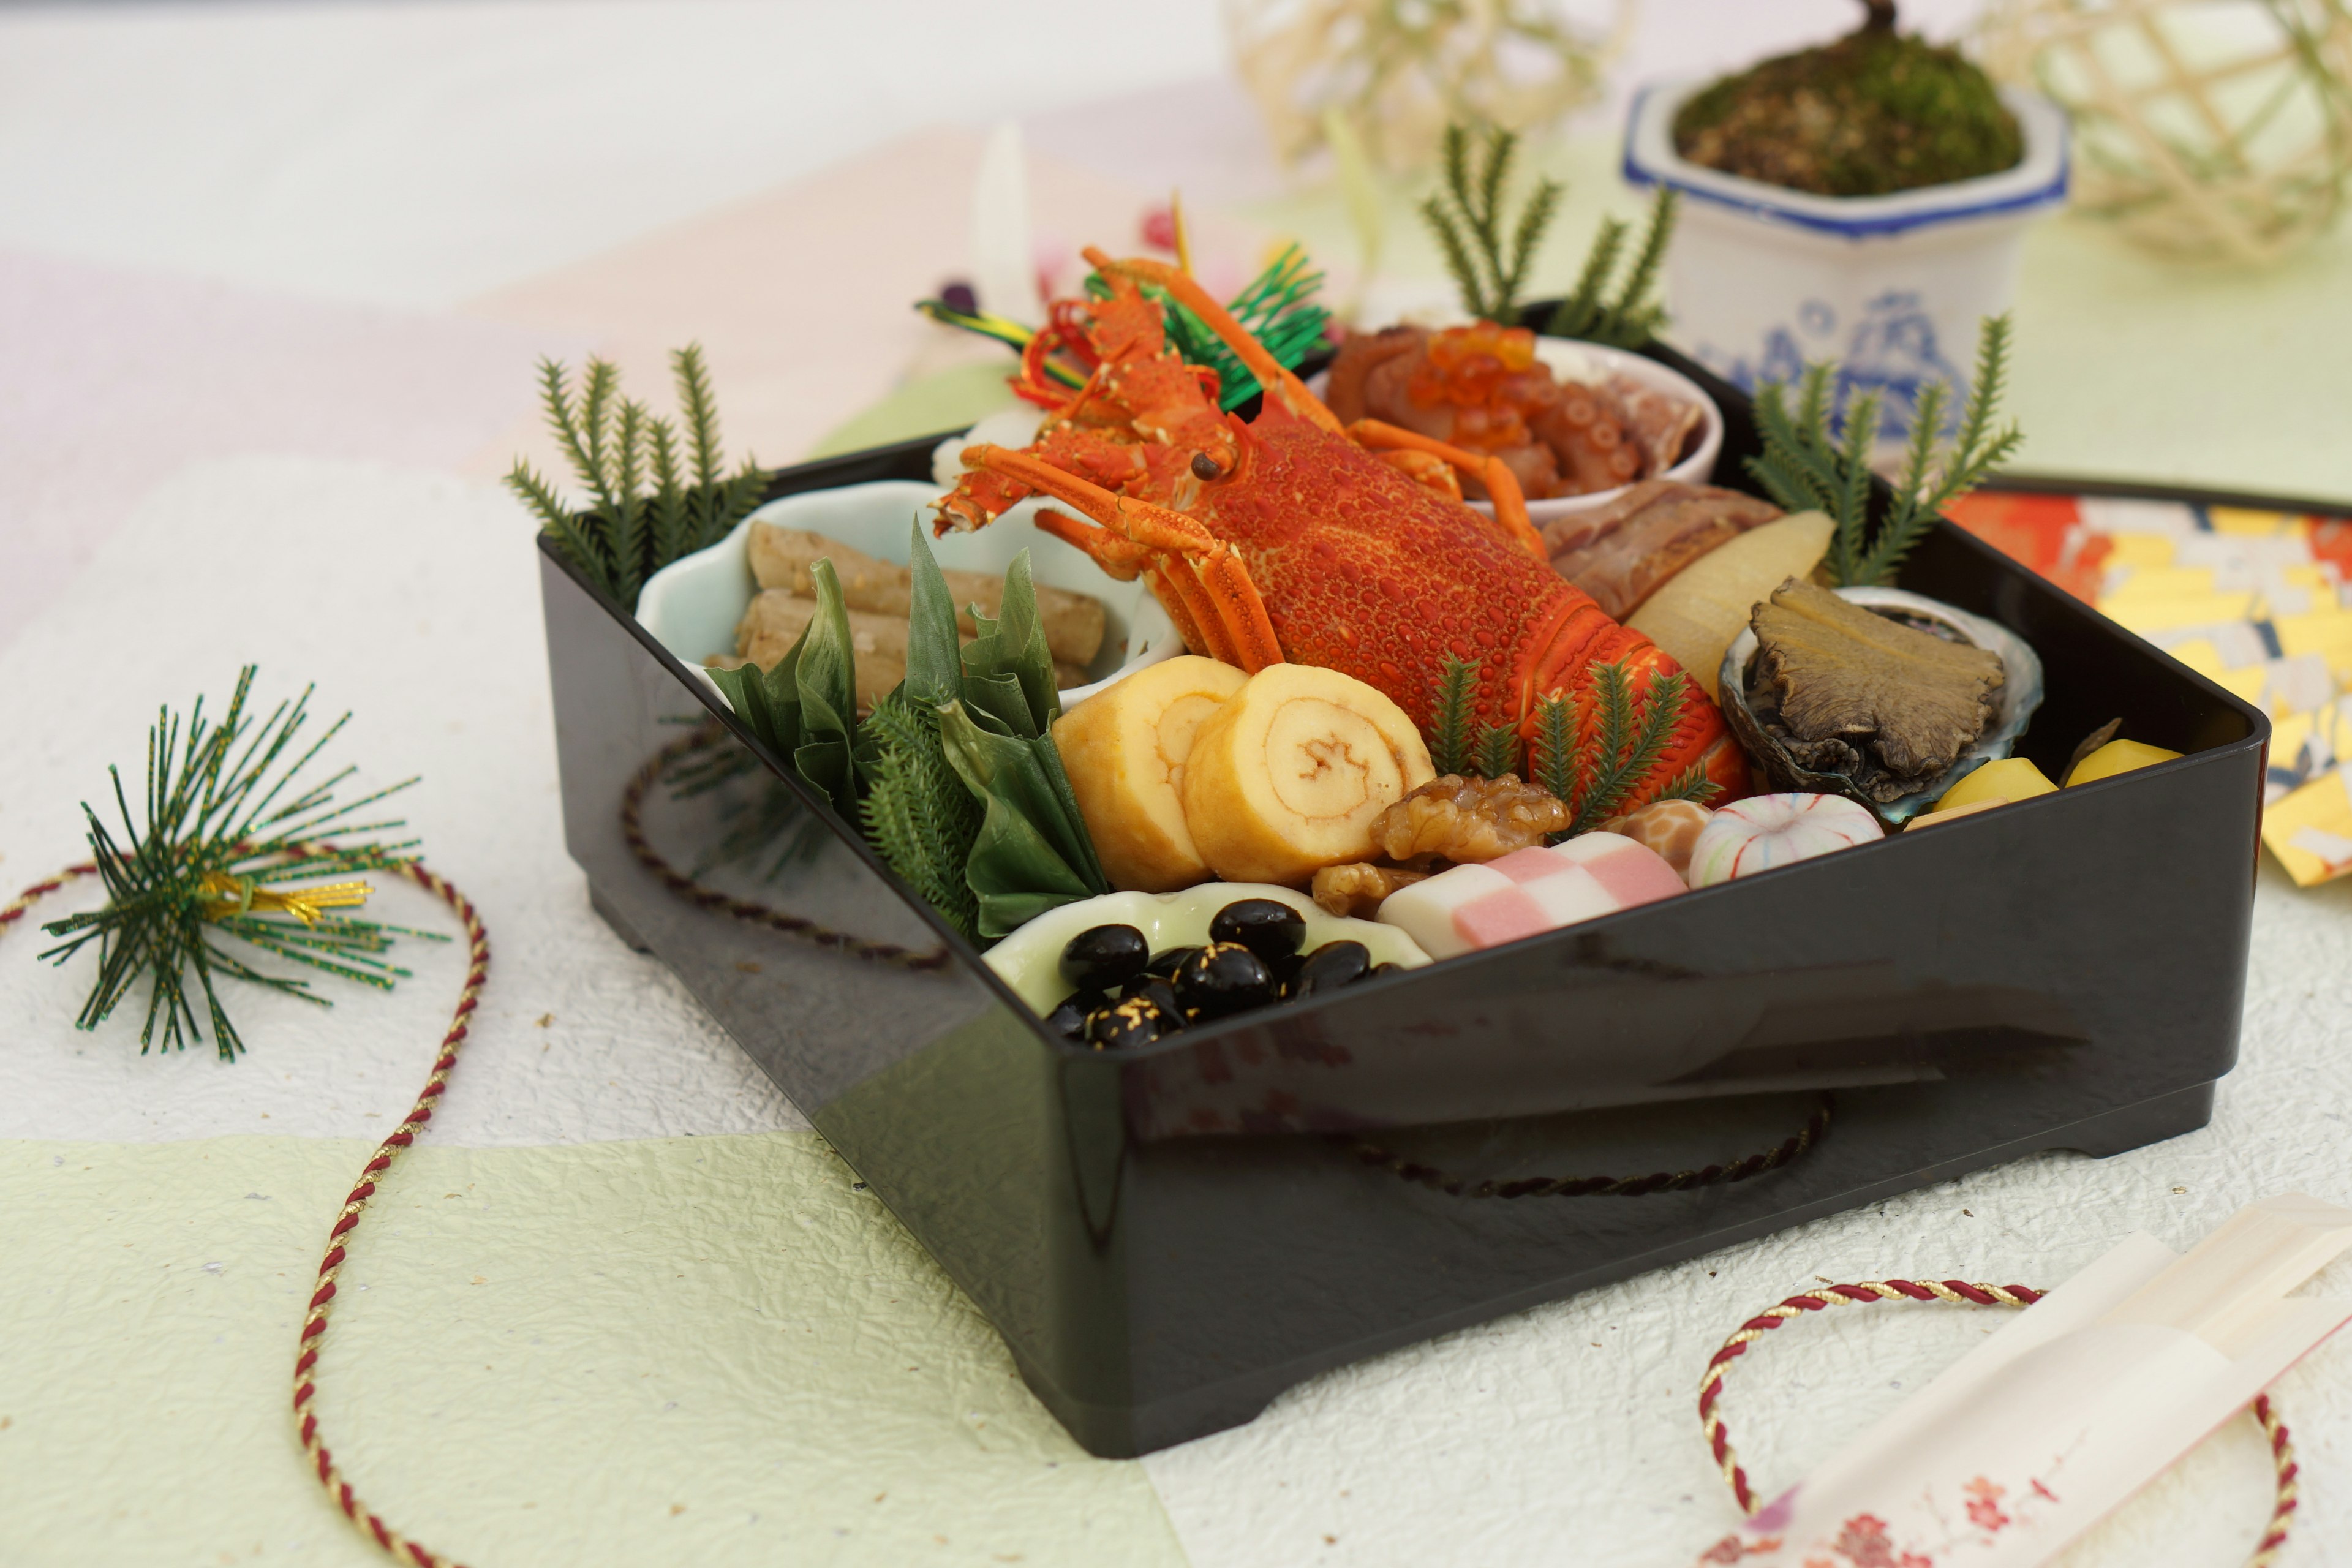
(1380, 969)
(1104, 958)
(1268, 927)
(1069, 1019)
(1168, 961)
(1329, 967)
(1127, 1024)
(1162, 993)
(1223, 977)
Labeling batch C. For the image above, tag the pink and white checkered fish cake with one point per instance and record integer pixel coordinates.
(1529, 891)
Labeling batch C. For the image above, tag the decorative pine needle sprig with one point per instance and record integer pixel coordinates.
(1552, 759)
(1498, 750)
(230, 846)
(1626, 317)
(1628, 738)
(1805, 468)
(1278, 307)
(655, 494)
(1469, 219)
(916, 813)
(1449, 725)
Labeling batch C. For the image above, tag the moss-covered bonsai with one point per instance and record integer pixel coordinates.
(1878, 111)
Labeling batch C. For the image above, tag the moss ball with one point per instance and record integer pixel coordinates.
(1875, 113)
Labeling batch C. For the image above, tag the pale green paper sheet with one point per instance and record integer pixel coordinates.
(708, 1349)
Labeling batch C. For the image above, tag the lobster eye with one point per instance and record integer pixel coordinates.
(1204, 468)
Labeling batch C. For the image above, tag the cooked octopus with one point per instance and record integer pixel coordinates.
(1482, 387)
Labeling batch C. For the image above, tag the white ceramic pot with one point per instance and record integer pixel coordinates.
(1592, 363)
(1762, 281)
(692, 605)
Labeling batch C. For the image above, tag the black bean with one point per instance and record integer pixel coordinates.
(1266, 927)
(1168, 961)
(1222, 978)
(1127, 1024)
(1104, 958)
(1069, 1019)
(1329, 967)
(1162, 993)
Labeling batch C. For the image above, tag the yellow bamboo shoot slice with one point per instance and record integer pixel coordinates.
(1704, 607)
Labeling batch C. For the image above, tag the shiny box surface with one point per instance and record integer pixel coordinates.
(1170, 1238)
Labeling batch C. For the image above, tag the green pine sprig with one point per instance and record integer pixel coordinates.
(654, 493)
(1804, 467)
(1498, 750)
(1553, 762)
(1626, 317)
(916, 813)
(231, 829)
(1629, 737)
(1279, 309)
(1468, 218)
(1449, 726)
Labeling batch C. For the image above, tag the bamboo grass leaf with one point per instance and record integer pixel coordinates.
(826, 677)
(1032, 852)
(934, 657)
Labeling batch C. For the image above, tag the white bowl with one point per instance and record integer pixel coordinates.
(692, 605)
(1572, 361)
(1762, 281)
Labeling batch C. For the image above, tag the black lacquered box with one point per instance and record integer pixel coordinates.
(1169, 1239)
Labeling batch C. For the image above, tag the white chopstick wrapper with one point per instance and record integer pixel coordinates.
(2089, 1394)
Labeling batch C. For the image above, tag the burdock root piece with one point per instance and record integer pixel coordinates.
(1357, 889)
(1468, 820)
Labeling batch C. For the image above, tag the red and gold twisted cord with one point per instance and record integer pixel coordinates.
(314, 1328)
(1957, 1292)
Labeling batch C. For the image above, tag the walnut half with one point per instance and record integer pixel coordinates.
(1468, 820)
(1357, 889)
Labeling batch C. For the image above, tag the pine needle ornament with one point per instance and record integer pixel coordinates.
(1449, 726)
(1469, 218)
(1805, 468)
(654, 495)
(1597, 778)
(231, 846)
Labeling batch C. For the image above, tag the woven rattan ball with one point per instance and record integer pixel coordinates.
(1397, 71)
(2205, 128)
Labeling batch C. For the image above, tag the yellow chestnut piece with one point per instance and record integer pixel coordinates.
(2007, 778)
(2117, 757)
(1288, 775)
(1125, 749)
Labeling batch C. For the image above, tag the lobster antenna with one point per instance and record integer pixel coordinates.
(1176, 222)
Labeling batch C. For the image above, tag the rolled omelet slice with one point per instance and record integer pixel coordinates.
(1289, 774)
(1125, 751)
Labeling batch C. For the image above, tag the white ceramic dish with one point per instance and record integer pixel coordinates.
(1762, 281)
(1572, 361)
(692, 605)
(1030, 960)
